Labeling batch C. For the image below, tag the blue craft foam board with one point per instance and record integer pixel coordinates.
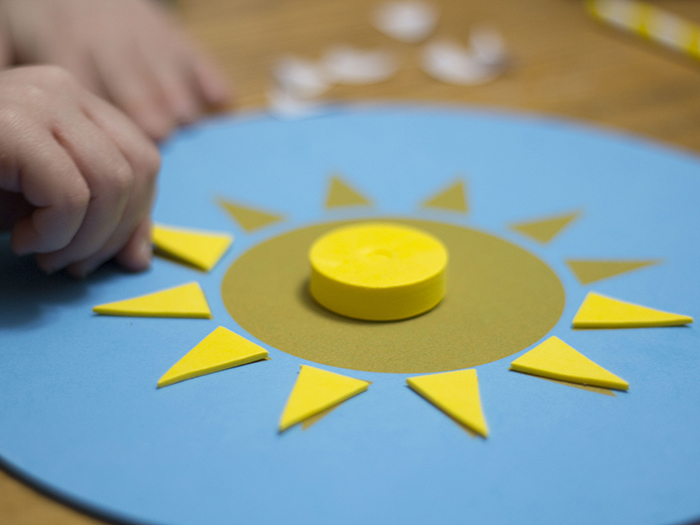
(80, 414)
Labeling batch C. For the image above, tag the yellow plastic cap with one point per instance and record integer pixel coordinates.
(378, 271)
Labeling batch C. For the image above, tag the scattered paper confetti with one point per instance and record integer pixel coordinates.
(449, 62)
(409, 21)
(300, 78)
(286, 106)
(488, 46)
(346, 65)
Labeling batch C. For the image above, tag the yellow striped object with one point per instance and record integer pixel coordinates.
(649, 22)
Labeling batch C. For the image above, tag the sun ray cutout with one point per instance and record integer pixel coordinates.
(456, 394)
(198, 248)
(453, 198)
(557, 360)
(600, 311)
(342, 195)
(317, 390)
(588, 388)
(591, 271)
(311, 421)
(218, 351)
(250, 219)
(185, 301)
(544, 230)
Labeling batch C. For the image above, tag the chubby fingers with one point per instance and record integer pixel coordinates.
(130, 237)
(109, 178)
(51, 182)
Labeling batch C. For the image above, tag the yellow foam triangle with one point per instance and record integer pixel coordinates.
(220, 350)
(544, 230)
(599, 311)
(249, 219)
(311, 421)
(590, 271)
(186, 300)
(456, 394)
(341, 194)
(557, 360)
(201, 249)
(453, 198)
(315, 391)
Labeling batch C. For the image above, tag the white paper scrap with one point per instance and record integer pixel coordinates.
(285, 105)
(346, 65)
(299, 77)
(452, 63)
(488, 45)
(408, 21)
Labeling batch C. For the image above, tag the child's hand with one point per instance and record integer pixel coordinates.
(129, 52)
(85, 173)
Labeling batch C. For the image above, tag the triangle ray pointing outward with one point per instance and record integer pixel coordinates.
(220, 350)
(599, 311)
(557, 360)
(590, 271)
(453, 198)
(341, 195)
(456, 394)
(544, 230)
(187, 300)
(315, 391)
(249, 219)
(199, 248)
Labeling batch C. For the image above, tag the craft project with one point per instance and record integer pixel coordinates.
(81, 414)
(187, 300)
(341, 194)
(544, 230)
(453, 199)
(599, 311)
(220, 350)
(247, 218)
(378, 271)
(557, 360)
(589, 271)
(317, 390)
(456, 394)
(199, 248)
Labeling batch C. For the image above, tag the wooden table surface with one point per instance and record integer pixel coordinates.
(565, 64)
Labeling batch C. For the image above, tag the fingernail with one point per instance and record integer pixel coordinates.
(146, 253)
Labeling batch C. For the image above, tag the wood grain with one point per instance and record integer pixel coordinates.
(565, 64)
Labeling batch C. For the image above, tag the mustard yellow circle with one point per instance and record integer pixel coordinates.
(378, 271)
